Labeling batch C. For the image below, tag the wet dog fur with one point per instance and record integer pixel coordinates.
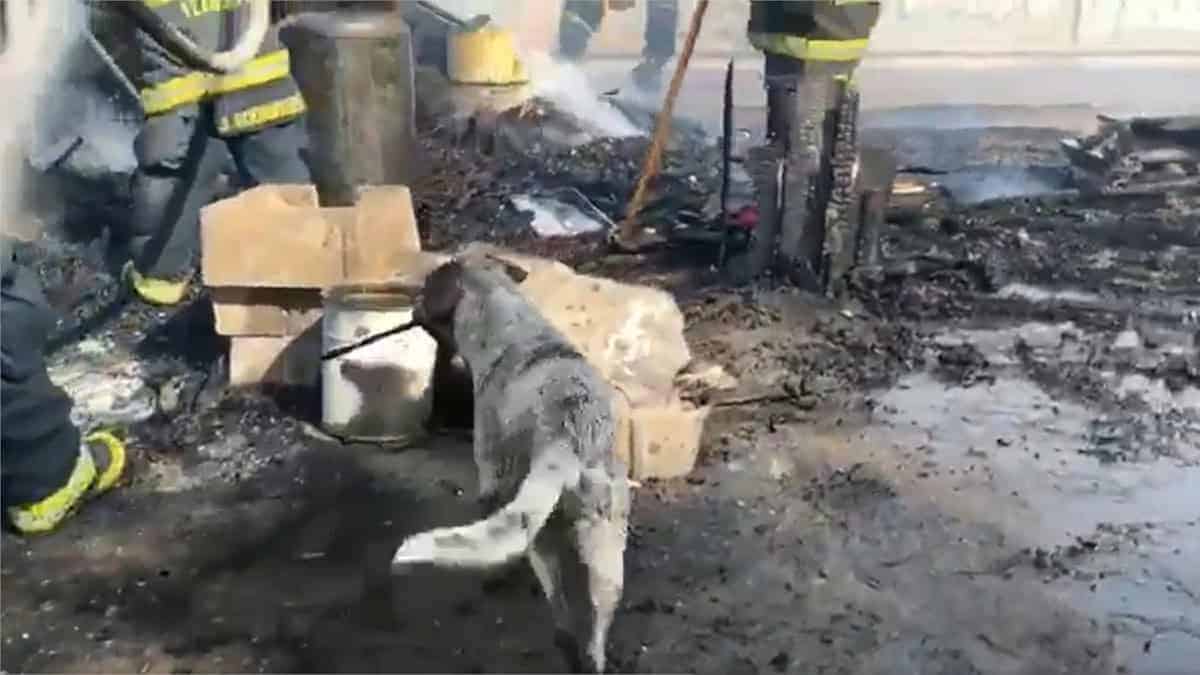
(543, 446)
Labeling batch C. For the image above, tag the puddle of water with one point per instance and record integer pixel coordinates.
(106, 385)
(1067, 344)
(1156, 394)
(1165, 310)
(1019, 443)
(1031, 293)
(1061, 341)
(1007, 454)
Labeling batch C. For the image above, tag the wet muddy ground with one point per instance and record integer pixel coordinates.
(984, 464)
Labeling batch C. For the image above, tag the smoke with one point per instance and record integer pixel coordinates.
(38, 37)
(566, 86)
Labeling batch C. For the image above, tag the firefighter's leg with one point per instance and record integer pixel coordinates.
(178, 162)
(662, 22)
(579, 20)
(781, 75)
(272, 155)
(772, 174)
(47, 471)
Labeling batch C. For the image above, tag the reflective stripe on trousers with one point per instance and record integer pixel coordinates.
(262, 115)
(804, 49)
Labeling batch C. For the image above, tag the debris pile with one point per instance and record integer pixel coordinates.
(1139, 152)
(481, 183)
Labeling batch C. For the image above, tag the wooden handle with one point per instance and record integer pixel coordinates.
(630, 227)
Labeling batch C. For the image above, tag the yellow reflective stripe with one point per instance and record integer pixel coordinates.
(262, 115)
(805, 49)
(48, 513)
(266, 68)
(196, 8)
(155, 4)
(836, 50)
(172, 93)
(196, 86)
(117, 459)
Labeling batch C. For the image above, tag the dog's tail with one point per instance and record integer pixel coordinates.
(506, 534)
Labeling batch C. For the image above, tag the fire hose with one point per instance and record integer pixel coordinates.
(175, 41)
(16, 14)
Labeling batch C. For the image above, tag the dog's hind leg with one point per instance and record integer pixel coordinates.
(546, 560)
(602, 550)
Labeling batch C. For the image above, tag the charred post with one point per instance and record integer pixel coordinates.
(800, 237)
(766, 166)
(726, 159)
(872, 208)
(842, 212)
(876, 175)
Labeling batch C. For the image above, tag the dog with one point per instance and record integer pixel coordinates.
(544, 431)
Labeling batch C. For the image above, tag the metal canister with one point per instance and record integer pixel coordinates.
(382, 392)
(355, 69)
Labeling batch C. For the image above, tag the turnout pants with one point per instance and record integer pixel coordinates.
(179, 158)
(38, 443)
(807, 43)
(784, 77)
(581, 19)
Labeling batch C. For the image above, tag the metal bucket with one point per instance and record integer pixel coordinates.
(382, 392)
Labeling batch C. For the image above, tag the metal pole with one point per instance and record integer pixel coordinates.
(111, 64)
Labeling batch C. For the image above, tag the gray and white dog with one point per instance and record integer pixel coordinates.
(543, 445)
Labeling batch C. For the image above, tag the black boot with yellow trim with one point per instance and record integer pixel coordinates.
(101, 464)
(155, 291)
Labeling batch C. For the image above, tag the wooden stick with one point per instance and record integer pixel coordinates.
(630, 227)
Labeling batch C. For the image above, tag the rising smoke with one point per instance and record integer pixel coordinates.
(38, 37)
(566, 85)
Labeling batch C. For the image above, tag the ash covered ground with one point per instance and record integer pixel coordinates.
(983, 461)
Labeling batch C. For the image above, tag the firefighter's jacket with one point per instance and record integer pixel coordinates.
(828, 30)
(260, 94)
